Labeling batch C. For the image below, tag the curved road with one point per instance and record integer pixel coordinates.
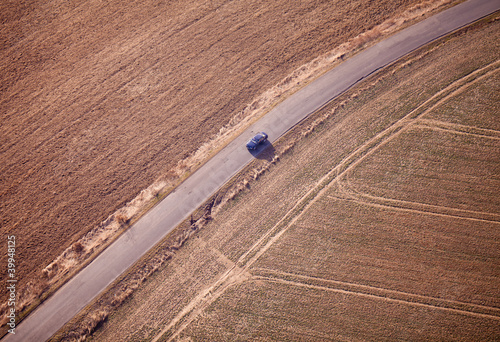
(136, 241)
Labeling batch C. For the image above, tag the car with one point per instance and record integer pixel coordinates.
(259, 138)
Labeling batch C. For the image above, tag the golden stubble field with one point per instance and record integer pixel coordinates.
(379, 220)
(99, 100)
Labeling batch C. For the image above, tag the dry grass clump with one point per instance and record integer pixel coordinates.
(91, 322)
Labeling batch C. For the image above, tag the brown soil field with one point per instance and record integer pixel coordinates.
(100, 100)
(389, 229)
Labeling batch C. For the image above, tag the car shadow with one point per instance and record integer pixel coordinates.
(264, 151)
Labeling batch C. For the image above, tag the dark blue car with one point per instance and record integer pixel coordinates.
(259, 138)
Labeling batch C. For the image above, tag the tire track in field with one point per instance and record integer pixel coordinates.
(347, 192)
(416, 115)
(458, 128)
(350, 193)
(376, 293)
(239, 272)
(359, 155)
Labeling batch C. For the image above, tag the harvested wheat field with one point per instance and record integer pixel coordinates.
(389, 229)
(101, 100)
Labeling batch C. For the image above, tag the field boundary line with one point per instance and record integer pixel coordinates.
(376, 293)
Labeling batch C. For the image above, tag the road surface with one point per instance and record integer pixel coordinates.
(47, 319)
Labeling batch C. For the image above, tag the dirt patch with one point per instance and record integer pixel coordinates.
(315, 262)
(102, 100)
